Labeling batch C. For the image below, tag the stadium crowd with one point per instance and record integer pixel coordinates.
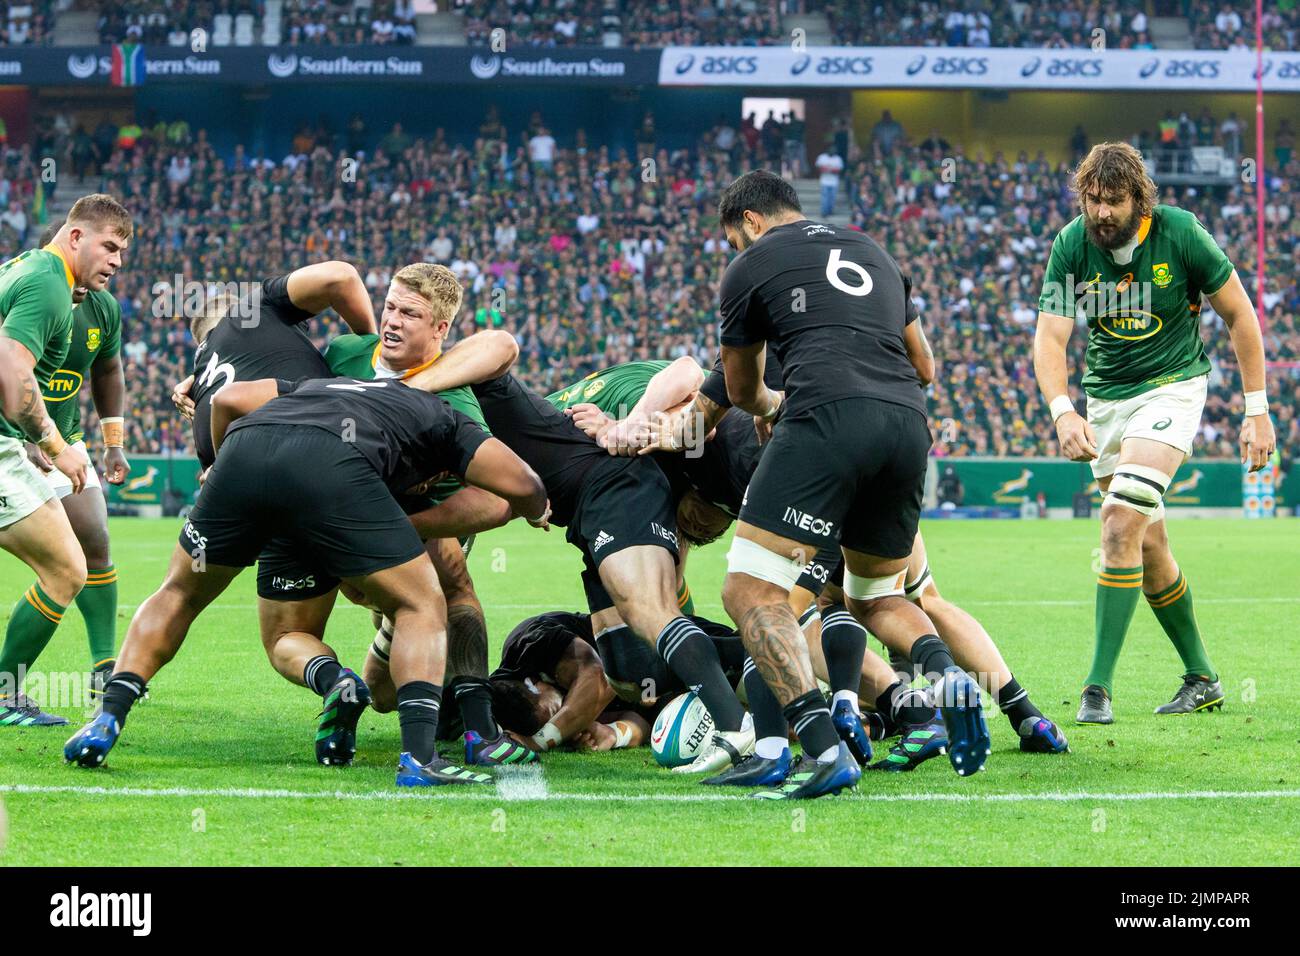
(559, 23)
(591, 263)
(245, 22)
(26, 23)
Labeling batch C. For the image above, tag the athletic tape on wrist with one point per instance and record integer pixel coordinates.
(548, 737)
(1256, 403)
(622, 733)
(1060, 405)
(114, 428)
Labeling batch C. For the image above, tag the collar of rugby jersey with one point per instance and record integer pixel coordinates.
(374, 363)
(1124, 254)
(67, 269)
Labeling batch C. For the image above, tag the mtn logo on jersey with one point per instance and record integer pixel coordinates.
(602, 539)
(806, 522)
(663, 532)
(63, 384)
(1130, 324)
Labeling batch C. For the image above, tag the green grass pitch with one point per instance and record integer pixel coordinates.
(217, 767)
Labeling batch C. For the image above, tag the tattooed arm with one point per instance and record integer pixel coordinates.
(29, 415)
(684, 429)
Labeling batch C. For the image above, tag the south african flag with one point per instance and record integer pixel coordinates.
(128, 64)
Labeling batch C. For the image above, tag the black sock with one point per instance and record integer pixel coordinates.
(899, 663)
(322, 673)
(693, 658)
(1013, 700)
(769, 721)
(630, 660)
(844, 644)
(811, 720)
(906, 706)
(418, 703)
(931, 655)
(474, 698)
(121, 693)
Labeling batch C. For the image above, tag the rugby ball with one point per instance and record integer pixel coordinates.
(680, 731)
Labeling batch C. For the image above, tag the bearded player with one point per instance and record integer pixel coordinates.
(1137, 271)
(36, 331)
(94, 356)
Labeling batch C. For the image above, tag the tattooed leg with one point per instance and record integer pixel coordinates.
(774, 640)
(466, 641)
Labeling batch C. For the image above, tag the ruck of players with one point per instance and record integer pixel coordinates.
(366, 471)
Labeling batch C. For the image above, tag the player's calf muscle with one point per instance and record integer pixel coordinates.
(773, 639)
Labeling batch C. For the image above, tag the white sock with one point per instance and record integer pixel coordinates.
(850, 696)
(747, 723)
(769, 748)
(829, 755)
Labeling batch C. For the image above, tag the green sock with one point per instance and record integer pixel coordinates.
(31, 625)
(1173, 609)
(684, 600)
(98, 605)
(1117, 597)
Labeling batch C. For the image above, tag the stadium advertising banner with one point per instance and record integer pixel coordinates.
(993, 482)
(57, 66)
(968, 68)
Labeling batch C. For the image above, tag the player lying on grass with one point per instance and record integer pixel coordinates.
(619, 513)
(1137, 271)
(94, 356)
(36, 313)
(294, 599)
(557, 678)
(317, 468)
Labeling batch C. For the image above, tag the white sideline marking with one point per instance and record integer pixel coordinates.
(534, 789)
(524, 782)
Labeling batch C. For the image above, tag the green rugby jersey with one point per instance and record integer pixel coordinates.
(1143, 316)
(96, 334)
(36, 311)
(355, 356)
(615, 391)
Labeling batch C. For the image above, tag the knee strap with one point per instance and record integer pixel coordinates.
(747, 557)
(1138, 487)
(868, 589)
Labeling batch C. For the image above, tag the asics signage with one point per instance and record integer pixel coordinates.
(965, 68)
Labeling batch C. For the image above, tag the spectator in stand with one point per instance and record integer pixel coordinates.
(793, 160)
(886, 134)
(1230, 134)
(949, 490)
(541, 150)
(829, 166)
(1284, 143)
